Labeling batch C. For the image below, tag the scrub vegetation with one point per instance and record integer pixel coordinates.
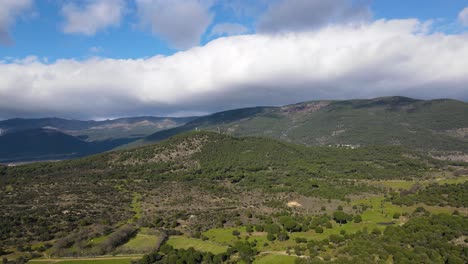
(204, 197)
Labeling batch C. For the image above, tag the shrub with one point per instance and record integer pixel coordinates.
(357, 219)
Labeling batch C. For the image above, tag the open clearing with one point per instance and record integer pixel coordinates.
(139, 244)
(197, 244)
(275, 259)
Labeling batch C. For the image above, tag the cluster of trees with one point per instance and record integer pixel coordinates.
(79, 243)
(455, 195)
(117, 238)
(244, 251)
(425, 239)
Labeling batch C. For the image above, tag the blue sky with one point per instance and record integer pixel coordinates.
(39, 33)
(112, 58)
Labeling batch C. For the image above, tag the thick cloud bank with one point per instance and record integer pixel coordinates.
(393, 57)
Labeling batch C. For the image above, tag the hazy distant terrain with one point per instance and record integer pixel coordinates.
(54, 138)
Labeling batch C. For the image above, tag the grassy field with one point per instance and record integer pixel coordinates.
(139, 244)
(275, 259)
(223, 235)
(197, 244)
(457, 180)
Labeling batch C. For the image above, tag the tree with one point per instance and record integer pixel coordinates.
(300, 240)
(272, 228)
(288, 223)
(357, 219)
(341, 217)
(246, 252)
(376, 231)
(270, 237)
(259, 228)
(318, 229)
(236, 233)
(283, 236)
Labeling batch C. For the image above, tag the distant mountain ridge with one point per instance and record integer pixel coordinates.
(56, 138)
(436, 126)
(46, 144)
(71, 124)
(431, 125)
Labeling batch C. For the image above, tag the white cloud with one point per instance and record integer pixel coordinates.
(300, 15)
(9, 11)
(180, 22)
(93, 16)
(381, 58)
(228, 29)
(463, 17)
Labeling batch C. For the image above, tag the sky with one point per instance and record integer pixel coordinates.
(94, 59)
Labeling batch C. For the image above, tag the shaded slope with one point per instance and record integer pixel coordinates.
(46, 144)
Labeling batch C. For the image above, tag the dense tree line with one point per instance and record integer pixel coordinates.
(455, 195)
(424, 239)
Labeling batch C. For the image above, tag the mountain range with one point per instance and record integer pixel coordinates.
(436, 126)
(439, 126)
(56, 138)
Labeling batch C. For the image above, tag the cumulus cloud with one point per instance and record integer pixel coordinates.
(299, 15)
(463, 17)
(228, 29)
(380, 58)
(180, 22)
(9, 11)
(93, 16)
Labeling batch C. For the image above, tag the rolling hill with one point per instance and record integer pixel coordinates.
(439, 126)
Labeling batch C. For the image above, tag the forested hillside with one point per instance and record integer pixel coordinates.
(439, 126)
(226, 199)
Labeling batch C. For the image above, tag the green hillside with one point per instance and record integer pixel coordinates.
(202, 193)
(436, 125)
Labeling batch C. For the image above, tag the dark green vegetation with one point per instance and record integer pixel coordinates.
(439, 126)
(199, 194)
(448, 194)
(54, 138)
(424, 239)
